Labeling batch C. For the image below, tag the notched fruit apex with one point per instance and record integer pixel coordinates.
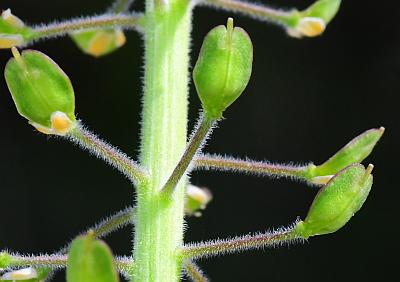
(314, 19)
(20, 274)
(337, 201)
(223, 68)
(197, 199)
(101, 42)
(353, 152)
(12, 30)
(41, 91)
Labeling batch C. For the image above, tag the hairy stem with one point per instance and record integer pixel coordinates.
(159, 220)
(106, 152)
(216, 162)
(286, 18)
(104, 21)
(114, 222)
(194, 272)
(55, 261)
(199, 135)
(239, 244)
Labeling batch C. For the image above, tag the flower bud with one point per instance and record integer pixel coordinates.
(12, 30)
(313, 20)
(337, 201)
(307, 26)
(353, 152)
(10, 40)
(196, 200)
(41, 91)
(20, 274)
(223, 68)
(99, 42)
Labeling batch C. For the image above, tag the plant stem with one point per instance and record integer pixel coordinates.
(286, 18)
(55, 261)
(194, 272)
(239, 244)
(103, 21)
(114, 222)
(111, 155)
(159, 220)
(216, 162)
(200, 134)
(108, 225)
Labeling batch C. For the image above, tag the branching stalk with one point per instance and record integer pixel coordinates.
(239, 244)
(200, 134)
(106, 152)
(103, 228)
(113, 223)
(261, 12)
(217, 162)
(128, 21)
(194, 272)
(56, 261)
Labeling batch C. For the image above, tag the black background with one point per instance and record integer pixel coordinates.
(305, 100)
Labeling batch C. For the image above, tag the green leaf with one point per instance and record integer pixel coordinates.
(41, 91)
(90, 260)
(337, 201)
(223, 68)
(353, 152)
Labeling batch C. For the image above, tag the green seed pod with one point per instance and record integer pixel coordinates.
(90, 260)
(337, 202)
(12, 30)
(353, 152)
(41, 91)
(101, 42)
(223, 68)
